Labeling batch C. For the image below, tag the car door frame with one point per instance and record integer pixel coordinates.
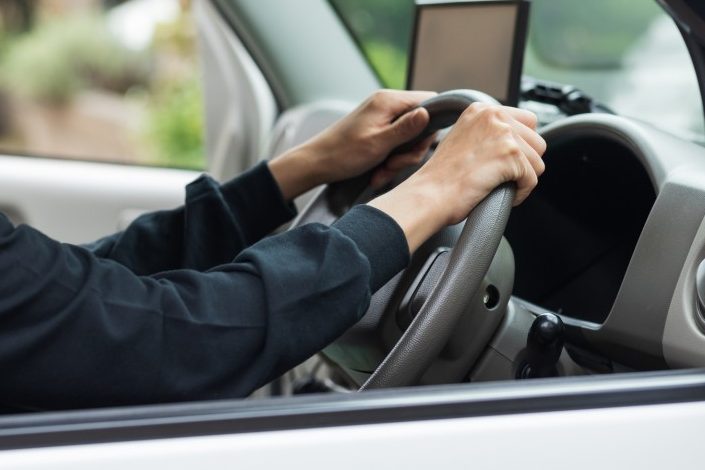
(611, 393)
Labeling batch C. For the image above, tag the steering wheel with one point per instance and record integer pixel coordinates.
(468, 262)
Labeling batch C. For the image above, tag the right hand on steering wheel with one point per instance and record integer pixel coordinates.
(489, 145)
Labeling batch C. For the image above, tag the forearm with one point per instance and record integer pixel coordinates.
(180, 335)
(214, 225)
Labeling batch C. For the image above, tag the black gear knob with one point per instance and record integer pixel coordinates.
(544, 345)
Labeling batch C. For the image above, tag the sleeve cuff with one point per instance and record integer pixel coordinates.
(379, 238)
(256, 194)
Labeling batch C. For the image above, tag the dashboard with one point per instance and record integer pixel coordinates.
(574, 236)
(611, 240)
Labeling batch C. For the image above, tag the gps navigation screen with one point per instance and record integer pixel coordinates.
(477, 45)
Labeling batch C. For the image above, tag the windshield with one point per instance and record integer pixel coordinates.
(627, 54)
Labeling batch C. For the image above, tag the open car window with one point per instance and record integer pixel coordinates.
(103, 80)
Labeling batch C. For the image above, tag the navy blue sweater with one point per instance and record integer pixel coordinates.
(191, 303)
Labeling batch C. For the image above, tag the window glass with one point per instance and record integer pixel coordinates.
(628, 55)
(108, 80)
(383, 30)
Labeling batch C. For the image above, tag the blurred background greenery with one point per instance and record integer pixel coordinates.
(60, 57)
(102, 80)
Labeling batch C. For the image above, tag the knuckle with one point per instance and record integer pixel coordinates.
(369, 143)
(401, 125)
(510, 171)
(503, 129)
(510, 149)
(533, 180)
(542, 145)
(532, 119)
(492, 113)
(405, 127)
(475, 107)
(467, 117)
(469, 114)
(541, 167)
(379, 97)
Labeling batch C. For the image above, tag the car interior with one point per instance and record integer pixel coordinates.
(592, 258)
(600, 271)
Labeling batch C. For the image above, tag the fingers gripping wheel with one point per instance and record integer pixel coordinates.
(443, 109)
(469, 261)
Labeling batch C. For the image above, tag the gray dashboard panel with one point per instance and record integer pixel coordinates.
(683, 338)
(634, 330)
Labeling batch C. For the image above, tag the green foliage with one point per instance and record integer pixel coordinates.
(17, 15)
(388, 61)
(4, 40)
(65, 55)
(383, 28)
(176, 125)
(61, 56)
(39, 72)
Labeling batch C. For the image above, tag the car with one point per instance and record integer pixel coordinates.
(577, 339)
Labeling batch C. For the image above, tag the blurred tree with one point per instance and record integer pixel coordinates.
(17, 16)
(64, 55)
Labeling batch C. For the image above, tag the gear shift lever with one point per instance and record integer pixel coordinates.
(544, 345)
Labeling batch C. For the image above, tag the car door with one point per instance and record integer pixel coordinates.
(647, 421)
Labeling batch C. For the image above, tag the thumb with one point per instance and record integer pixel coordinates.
(405, 128)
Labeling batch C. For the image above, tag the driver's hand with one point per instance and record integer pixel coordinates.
(488, 145)
(359, 142)
(363, 139)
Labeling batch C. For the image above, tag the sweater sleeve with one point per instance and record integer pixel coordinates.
(78, 331)
(211, 228)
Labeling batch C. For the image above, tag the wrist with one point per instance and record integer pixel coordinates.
(416, 206)
(432, 197)
(454, 198)
(296, 171)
